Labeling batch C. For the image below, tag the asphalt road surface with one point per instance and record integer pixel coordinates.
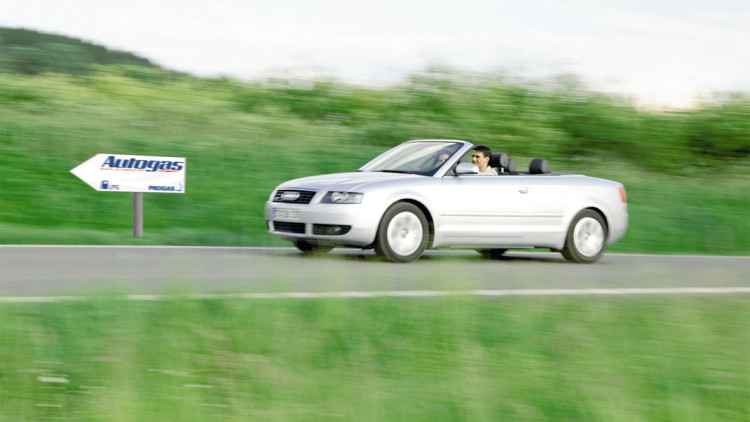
(82, 270)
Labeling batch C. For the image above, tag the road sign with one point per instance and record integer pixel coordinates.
(133, 173)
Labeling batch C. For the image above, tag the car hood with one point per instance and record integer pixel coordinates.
(345, 182)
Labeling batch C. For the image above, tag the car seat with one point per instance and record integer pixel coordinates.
(499, 161)
(538, 166)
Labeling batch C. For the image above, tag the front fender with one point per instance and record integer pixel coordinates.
(424, 198)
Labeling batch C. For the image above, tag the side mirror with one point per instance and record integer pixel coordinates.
(467, 168)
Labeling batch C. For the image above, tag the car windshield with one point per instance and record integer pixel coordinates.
(424, 158)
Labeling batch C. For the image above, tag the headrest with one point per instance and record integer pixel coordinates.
(499, 159)
(538, 166)
(511, 167)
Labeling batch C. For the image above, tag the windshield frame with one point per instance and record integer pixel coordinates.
(418, 157)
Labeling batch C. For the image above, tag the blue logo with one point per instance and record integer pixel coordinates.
(106, 186)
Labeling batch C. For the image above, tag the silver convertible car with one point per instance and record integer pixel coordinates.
(427, 194)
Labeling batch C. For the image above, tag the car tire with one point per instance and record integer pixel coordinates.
(492, 253)
(403, 233)
(587, 237)
(312, 248)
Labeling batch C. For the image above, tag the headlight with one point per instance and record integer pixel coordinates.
(342, 198)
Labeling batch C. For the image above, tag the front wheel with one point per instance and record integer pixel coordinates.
(587, 237)
(402, 234)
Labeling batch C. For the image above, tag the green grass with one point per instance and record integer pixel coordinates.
(50, 124)
(526, 359)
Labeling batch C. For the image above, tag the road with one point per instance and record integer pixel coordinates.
(81, 270)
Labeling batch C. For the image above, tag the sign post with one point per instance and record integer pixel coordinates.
(137, 214)
(133, 173)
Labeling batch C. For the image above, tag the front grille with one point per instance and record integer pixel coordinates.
(302, 196)
(285, 226)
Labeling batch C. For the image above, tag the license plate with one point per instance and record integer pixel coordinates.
(286, 214)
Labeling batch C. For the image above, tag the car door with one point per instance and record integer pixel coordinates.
(551, 195)
(485, 210)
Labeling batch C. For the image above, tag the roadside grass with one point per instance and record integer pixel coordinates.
(454, 358)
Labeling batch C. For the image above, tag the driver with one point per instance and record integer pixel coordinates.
(481, 157)
(439, 160)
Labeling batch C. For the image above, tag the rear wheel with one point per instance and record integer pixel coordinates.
(312, 248)
(403, 233)
(587, 237)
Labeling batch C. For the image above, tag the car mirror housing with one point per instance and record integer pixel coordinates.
(467, 168)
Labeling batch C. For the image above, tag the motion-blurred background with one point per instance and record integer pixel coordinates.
(655, 95)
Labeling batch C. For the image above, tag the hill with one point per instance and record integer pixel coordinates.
(31, 53)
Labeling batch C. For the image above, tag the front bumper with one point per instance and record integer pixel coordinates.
(336, 224)
(618, 224)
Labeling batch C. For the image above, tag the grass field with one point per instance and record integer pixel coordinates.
(670, 358)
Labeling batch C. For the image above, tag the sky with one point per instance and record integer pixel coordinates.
(660, 53)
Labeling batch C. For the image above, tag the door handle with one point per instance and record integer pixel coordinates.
(523, 189)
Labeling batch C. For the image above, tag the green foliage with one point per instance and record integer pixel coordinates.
(459, 359)
(721, 130)
(563, 120)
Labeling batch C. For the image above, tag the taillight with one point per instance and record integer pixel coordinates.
(623, 195)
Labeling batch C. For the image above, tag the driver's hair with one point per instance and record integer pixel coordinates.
(484, 150)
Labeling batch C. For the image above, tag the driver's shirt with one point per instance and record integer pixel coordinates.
(489, 171)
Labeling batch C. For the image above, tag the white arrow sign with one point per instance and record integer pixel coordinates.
(133, 173)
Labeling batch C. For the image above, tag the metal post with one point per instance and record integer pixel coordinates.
(137, 214)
